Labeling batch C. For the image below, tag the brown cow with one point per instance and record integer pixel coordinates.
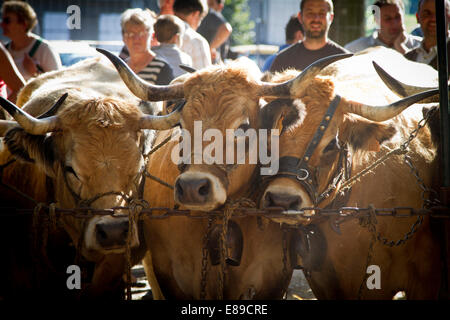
(92, 153)
(336, 259)
(221, 98)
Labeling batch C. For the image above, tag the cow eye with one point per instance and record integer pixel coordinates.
(332, 146)
(69, 169)
(244, 125)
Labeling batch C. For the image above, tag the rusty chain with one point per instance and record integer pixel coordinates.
(431, 208)
(205, 259)
(285, 260)
(309, 214)
(370, 221)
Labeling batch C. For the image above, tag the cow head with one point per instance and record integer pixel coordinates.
(315, 141)
(218, 99)
(91, 150)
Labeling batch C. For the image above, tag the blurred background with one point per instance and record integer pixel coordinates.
(258, 25)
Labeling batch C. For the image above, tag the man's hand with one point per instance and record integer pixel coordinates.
(400, 42)
(29, 65)
(213, 55)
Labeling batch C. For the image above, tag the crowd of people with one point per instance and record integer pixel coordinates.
(316, 16)
(196, 34)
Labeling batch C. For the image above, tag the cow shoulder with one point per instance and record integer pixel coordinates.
(365, 135)
(38, 149)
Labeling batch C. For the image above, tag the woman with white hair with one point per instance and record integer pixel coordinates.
(137, 32)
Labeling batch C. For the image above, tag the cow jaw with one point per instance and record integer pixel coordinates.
(201, 191)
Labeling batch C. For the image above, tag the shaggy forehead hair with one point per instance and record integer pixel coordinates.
(102, 112)
(236, 77)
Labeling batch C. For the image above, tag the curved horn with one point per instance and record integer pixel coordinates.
(162, 122)
(28, 122)
(283, 90)
(53, 110)
(187, 68)
(383, 113)
(141, 88)
(399, 88)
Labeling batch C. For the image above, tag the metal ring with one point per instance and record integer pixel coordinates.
(305, 177)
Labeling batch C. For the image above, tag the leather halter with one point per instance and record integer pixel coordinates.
(299, 169)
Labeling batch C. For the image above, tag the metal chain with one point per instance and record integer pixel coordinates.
(285, 262)
(402, 149)
(427, 202)
(227, 213)
(136, 207)
(205, 259)
(370, 224)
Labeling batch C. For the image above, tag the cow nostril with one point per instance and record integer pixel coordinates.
(179, 188)
(295, 204)
(204, 189)
(100, 232)
(268, 200)
(125, 226)
(288, 202)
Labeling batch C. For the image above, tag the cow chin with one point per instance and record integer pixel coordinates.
(109, 235)
(286, 194)
(199, 191)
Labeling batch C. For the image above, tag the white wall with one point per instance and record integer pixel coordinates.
(279, 12)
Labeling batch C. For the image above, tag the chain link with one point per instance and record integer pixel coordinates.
(205, 252)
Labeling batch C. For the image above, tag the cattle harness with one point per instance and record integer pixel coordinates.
(297, 169)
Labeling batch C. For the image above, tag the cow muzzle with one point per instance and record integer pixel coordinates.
(285, 195)
(110, 234)
(199, 191)
(285, 201)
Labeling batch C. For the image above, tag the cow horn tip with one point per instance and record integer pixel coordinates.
(187, 68)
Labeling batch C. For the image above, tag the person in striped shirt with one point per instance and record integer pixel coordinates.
(137, 32)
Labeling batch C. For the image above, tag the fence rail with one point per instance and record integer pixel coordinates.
(240, 212)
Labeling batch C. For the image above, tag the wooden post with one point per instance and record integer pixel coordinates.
(445, 137)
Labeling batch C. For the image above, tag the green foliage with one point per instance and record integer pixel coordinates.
(237, 13)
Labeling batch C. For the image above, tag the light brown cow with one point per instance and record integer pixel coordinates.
(91, 151)
(336, 263)
(221, 98)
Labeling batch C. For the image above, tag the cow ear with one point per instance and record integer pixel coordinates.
(30, 148)
(279, 114)
(362, 134)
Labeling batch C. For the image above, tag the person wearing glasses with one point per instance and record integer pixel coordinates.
(32, 54)
(137, 32)
(316, 17)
